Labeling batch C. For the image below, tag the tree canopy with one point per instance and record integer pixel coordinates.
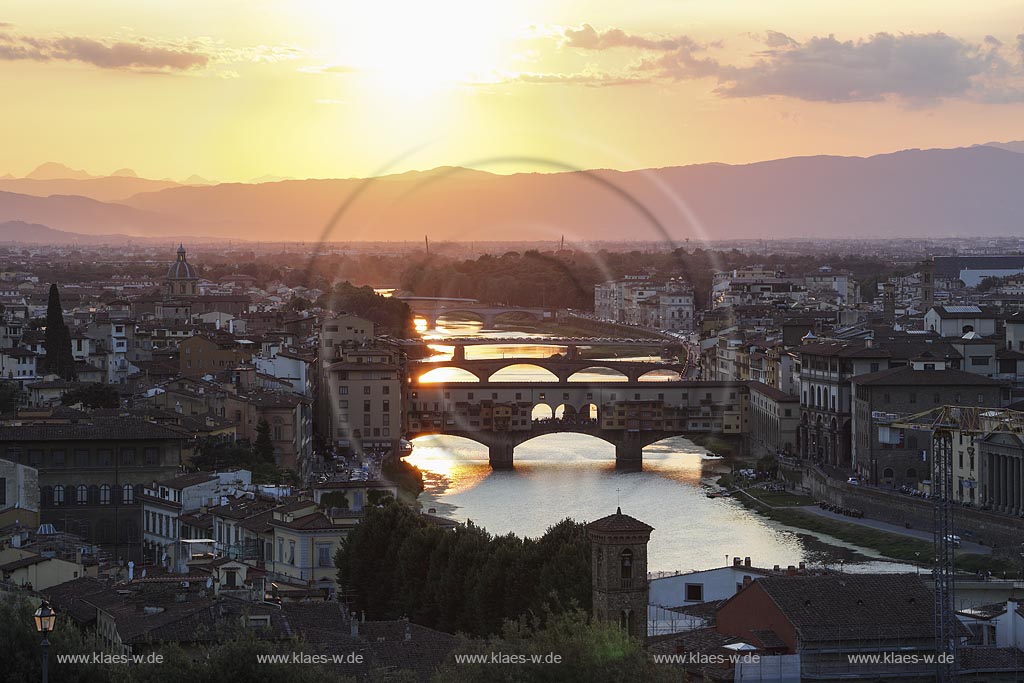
(395, 563)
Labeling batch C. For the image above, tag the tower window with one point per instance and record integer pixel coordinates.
(626, 565)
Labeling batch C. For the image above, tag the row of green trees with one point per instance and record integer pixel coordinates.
(396, 564)
(566, 280)
(258, 457)
(389, 315)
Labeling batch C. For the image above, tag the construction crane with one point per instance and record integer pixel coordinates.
(942, 422)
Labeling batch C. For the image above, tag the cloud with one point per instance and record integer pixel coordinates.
(588, 78)
(588, 38)
(918, 68)
(142, 55)
(328, 69)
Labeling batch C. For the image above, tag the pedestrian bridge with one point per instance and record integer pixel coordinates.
(628, 415)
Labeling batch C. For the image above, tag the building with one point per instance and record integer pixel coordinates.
(902, 457)
(164, 503)
(826, 618)
(637, 300)
(774, 419)
(360, 386)
(92, 473)
(619, 566)
(19, 494)
(182, 278)
(207, 355)
(957, 320)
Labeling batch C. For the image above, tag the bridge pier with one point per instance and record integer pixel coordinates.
(500, 455)
(459, 353)
(629, 453)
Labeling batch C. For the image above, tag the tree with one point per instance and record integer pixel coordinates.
(58, 360)
(11, 396)
(92, 396)
(263, 449)
(398, 564)
(588, 651)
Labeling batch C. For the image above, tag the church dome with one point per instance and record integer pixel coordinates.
(181, 269)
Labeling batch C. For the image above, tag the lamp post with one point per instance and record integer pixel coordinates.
(45, 618)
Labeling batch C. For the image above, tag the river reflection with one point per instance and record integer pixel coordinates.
(573, 475)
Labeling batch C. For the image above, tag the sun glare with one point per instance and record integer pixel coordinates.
(421, 46)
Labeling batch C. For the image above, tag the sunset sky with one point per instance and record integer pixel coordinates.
(233, 90)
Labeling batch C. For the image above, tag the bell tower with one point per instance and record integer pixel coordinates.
(619, 571)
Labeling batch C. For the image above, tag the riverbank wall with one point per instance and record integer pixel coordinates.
(1003, 533)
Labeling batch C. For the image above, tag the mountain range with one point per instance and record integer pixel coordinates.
(912, 193)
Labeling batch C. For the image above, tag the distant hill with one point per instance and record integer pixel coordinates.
(105, 189)
(34, 233)
(51, 170)
(913, 193)
(1015, 146)
(86, 216)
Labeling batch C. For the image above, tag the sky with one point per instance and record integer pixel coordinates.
(232, 90)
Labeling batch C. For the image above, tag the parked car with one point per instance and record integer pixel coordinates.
(853, 480)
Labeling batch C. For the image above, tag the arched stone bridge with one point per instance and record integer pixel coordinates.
(629, 415)
(432, 308)
(562, 368)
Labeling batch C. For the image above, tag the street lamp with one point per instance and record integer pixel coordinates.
(45, 618)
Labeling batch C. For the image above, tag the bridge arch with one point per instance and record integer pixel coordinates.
(596, 437)
(608, 374)
(542, 411)
(661, 375)
(448, 373)
(518, 312)
(459, 313)
(566, 411)
(518, 368)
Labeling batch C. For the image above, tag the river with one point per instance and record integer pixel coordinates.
(573, 475)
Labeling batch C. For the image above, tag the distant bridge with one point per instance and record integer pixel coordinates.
(571, 342)
(562, 368)
(431, 308)
(628, 415)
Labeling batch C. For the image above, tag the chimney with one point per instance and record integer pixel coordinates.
(790, 570)
(776, 568)
(747, 581)
(354, 625)
(746, 561)
(737, 562)
(803, 566)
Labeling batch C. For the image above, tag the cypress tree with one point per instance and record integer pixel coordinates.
(59, 359)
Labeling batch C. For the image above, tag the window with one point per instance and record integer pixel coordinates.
(323, 555)
(874, 367)
(280, 550)
(82, 494)
(626, 564)
(291, 552)
(343, 390)
(694, 592)
(127, 456)
(127, 494)
(366, 389)
(152, 456)
(913, 397)
(979, 360)
(81, 458)
(387, 406)
(58, 495)
(105, 494)
(58, 458)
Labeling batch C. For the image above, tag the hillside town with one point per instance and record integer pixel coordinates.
(178, 449)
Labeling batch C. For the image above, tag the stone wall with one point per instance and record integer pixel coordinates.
(1004, 533)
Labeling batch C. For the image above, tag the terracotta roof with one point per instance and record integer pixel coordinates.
(98, 428)
(851, 606)
(183, 481)
(906, 376)
(619, 522)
